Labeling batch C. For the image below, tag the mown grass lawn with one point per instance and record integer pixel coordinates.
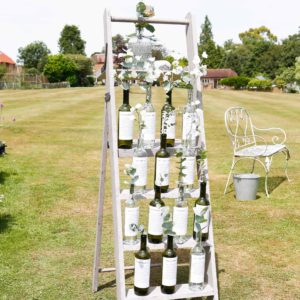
(50, 182)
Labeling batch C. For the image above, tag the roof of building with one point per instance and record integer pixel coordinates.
(220, 73)
(6, 59)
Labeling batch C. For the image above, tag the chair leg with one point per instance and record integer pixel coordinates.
(287, 157)
(266, 184)
(268, 162)
(253, 166)
(229, 175)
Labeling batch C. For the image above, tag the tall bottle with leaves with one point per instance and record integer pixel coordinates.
(162, 166)
(125, 128)
(188, 164)
(131, 214)
(197, 254)
(149, 119)
(188, 120)
(168, 120)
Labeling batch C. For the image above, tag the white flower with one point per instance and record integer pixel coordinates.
(132, 110)
(138, 58)
(175, 63)
(196, 60)
(204, 54)
(138, 106)
(129, 52)
(178, 70)
(121, 55)
(121, 75)
(134, 74)
(128, 60)
(151, 59)
(186, 78)
(197, 102)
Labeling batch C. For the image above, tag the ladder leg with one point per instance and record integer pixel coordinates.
(103, 163)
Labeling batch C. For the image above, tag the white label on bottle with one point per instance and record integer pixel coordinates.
(204, 225)
(162, 171)
(140, 164)
(155, 220)
(189, 170)
(187, 126)
(149, 131)
(197, 268)
(131, 217)
(169, 121)
(125, 125)
(169, 273)
(180, 220)
(142, 273)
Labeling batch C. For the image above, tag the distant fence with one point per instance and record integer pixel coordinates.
(28, 81)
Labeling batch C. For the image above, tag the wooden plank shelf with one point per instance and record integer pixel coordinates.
(149, 194)
(182, 291)
(150, 152)
(190, 243)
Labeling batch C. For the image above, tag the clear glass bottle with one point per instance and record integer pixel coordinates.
(197, 265)
(188, 156)
(140, 163)
(142, 266)
(131, 217)
(203, 203)
(125, 128)
(169, 268)
(188, 118)
(168, 120)
(180, 216)
(149, 117)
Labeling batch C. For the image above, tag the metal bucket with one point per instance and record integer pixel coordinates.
(245, 186)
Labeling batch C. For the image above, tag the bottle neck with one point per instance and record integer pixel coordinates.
(199, 238)
(203, 189)
(157, 193)
(148, 94)
(131, 189)
(169, 97)
(143, 242)
(190, 96)
(170, 242)
(163, 141)
(140, 144)
(181, 193)
(126, 96)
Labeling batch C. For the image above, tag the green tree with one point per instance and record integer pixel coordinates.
(84, 68)
(297, 69)
(70, 41)
(59, 68)
(34, 55)
(290, 50)
(207, 45)
(253, 35)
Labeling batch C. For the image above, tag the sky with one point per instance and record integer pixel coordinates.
(25, 21)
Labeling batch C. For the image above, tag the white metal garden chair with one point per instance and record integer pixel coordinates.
(248, 145)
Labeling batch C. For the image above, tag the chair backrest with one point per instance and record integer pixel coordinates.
(239, 127)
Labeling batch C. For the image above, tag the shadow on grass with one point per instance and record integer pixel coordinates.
(273, 183)
(4, 176)
(6, 221)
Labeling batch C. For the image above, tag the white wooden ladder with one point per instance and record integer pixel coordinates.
(109, 144)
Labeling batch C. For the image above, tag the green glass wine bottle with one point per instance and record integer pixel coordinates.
(168, 120)
(142, 266)
(162, 166)
(125, 128)
(155, 230)
(169, 268)
(203, 203)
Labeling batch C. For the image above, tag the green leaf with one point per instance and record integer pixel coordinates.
(150, 28)
(140, 7)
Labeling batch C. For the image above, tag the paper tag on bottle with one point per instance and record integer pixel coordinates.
(180, 220)
(169, 120)
(187, 122)
(149, 121)
(155, 220)
(204, 225)
(162, 171)
(140, 164)
(142, 273)
(197, 268)
(189, 170)
(131, 217)
(169, 272)
(125, 125)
